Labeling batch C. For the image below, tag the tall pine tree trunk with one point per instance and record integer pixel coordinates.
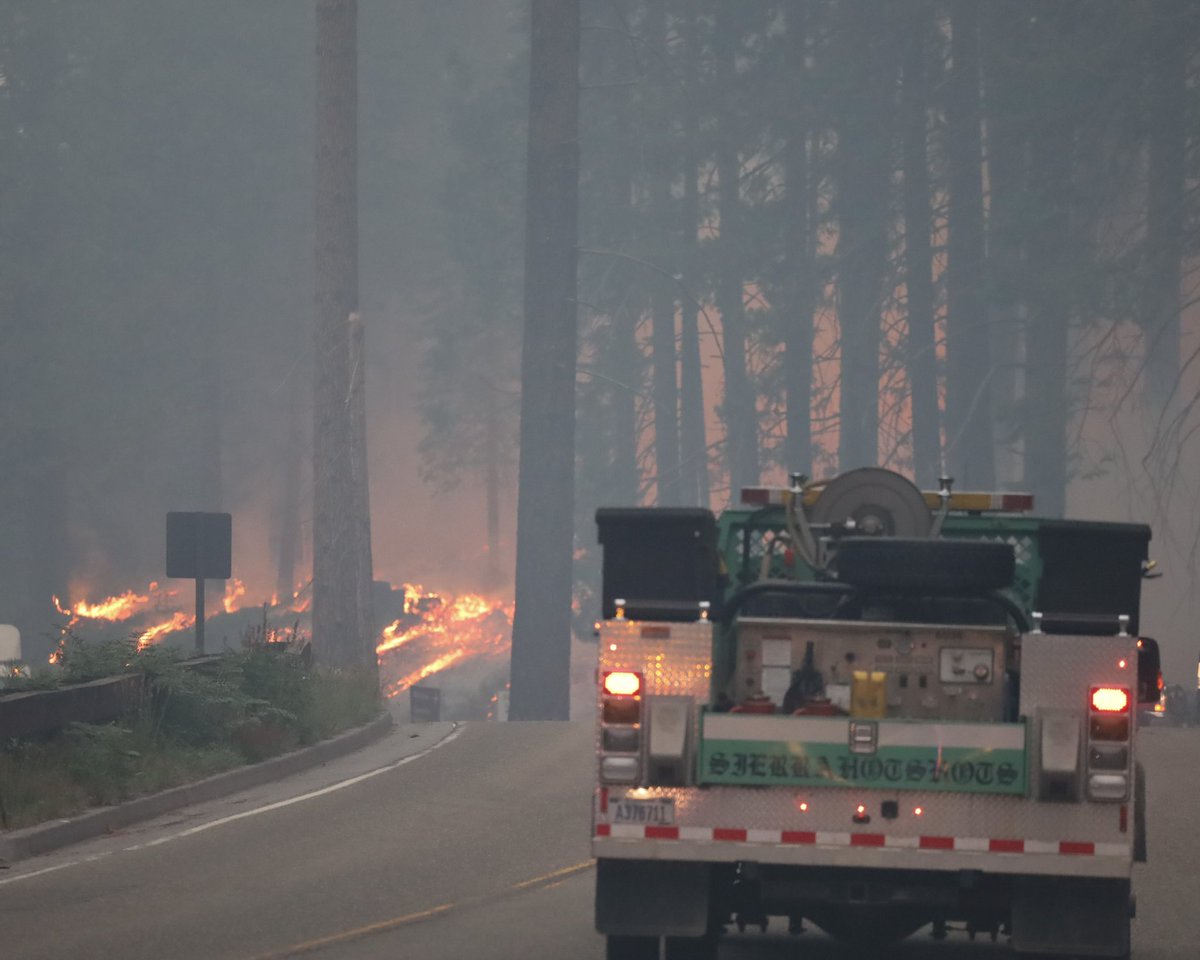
(862, 215)
(1046, 396)
(491, 480)
(969, 437)
(365, 625)
(1006, 117)
(693, 442)
(798, 299)
(1168, 131)
(918, 255)
(289, 512)
(541, 643)
(739, 409)
(337, 622)
(34, 509)
(662, 297)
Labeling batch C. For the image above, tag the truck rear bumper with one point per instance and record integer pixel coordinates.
(867, 850)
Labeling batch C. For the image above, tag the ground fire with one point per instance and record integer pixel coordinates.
(430, 632)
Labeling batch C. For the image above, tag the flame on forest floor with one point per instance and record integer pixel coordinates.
(159, 610)
(440, 631)
(437, 631)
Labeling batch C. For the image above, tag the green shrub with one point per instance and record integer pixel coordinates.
(188, 723)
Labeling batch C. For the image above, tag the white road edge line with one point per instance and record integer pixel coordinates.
(278, 804)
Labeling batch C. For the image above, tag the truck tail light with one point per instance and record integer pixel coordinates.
(1110, 728)
(621, 683)
(622, 710)
(1110, 700)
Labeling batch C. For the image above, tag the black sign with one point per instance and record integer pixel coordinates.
(424, 704)
(199, 546)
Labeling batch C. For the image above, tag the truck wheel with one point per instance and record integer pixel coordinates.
(631, 948)
(692, 948)
(904, 563)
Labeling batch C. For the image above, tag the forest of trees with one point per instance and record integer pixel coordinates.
(944, 237)
(952, 236)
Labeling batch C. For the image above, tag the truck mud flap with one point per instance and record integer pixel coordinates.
(1080, 916)
(652, 898)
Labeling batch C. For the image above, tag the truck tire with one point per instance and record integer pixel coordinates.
(630, 948)
(953, 566)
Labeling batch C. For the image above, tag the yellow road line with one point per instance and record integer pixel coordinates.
(383, 926)
(563, 873)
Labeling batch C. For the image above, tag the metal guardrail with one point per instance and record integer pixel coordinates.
(35, 713)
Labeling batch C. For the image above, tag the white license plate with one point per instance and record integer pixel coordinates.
(658, 812)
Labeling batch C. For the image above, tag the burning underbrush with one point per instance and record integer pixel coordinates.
(458, 642)
(166, 615)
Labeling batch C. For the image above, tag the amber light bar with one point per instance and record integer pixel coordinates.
(966, 501)
(1110, 699)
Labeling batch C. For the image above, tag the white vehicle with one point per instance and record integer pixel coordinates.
(871, 709)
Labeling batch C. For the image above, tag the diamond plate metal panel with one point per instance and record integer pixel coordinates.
(673, 658)
(1058, 670)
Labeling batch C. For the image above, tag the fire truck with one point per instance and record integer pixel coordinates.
(871, 709)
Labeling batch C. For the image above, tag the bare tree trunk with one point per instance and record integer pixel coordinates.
(337, 632)
(862, 205)
(1007, 176)
(740, 412)
(289, 515)
(1167, 190)
(1049, 315)
(491, 442)
(365, 625)
(798, 286)
(662, 297)
(918, 256)
(34, 501)
(541, 647)
(969, 437)
(694, 445)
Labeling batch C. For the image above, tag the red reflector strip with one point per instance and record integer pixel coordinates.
(1123, 819)
(604, 799)
(867, 839)
(971, 845)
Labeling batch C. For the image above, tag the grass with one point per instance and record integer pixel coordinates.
(187, 724)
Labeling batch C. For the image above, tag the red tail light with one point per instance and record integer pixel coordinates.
(1110, 699)
(621, 683)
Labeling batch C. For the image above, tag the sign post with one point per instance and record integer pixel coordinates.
(199, 546)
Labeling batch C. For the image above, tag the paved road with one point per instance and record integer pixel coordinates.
(452, 843)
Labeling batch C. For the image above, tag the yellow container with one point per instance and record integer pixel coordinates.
(868, 694)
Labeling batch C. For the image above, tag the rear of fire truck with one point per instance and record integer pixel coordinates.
(870, 709)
